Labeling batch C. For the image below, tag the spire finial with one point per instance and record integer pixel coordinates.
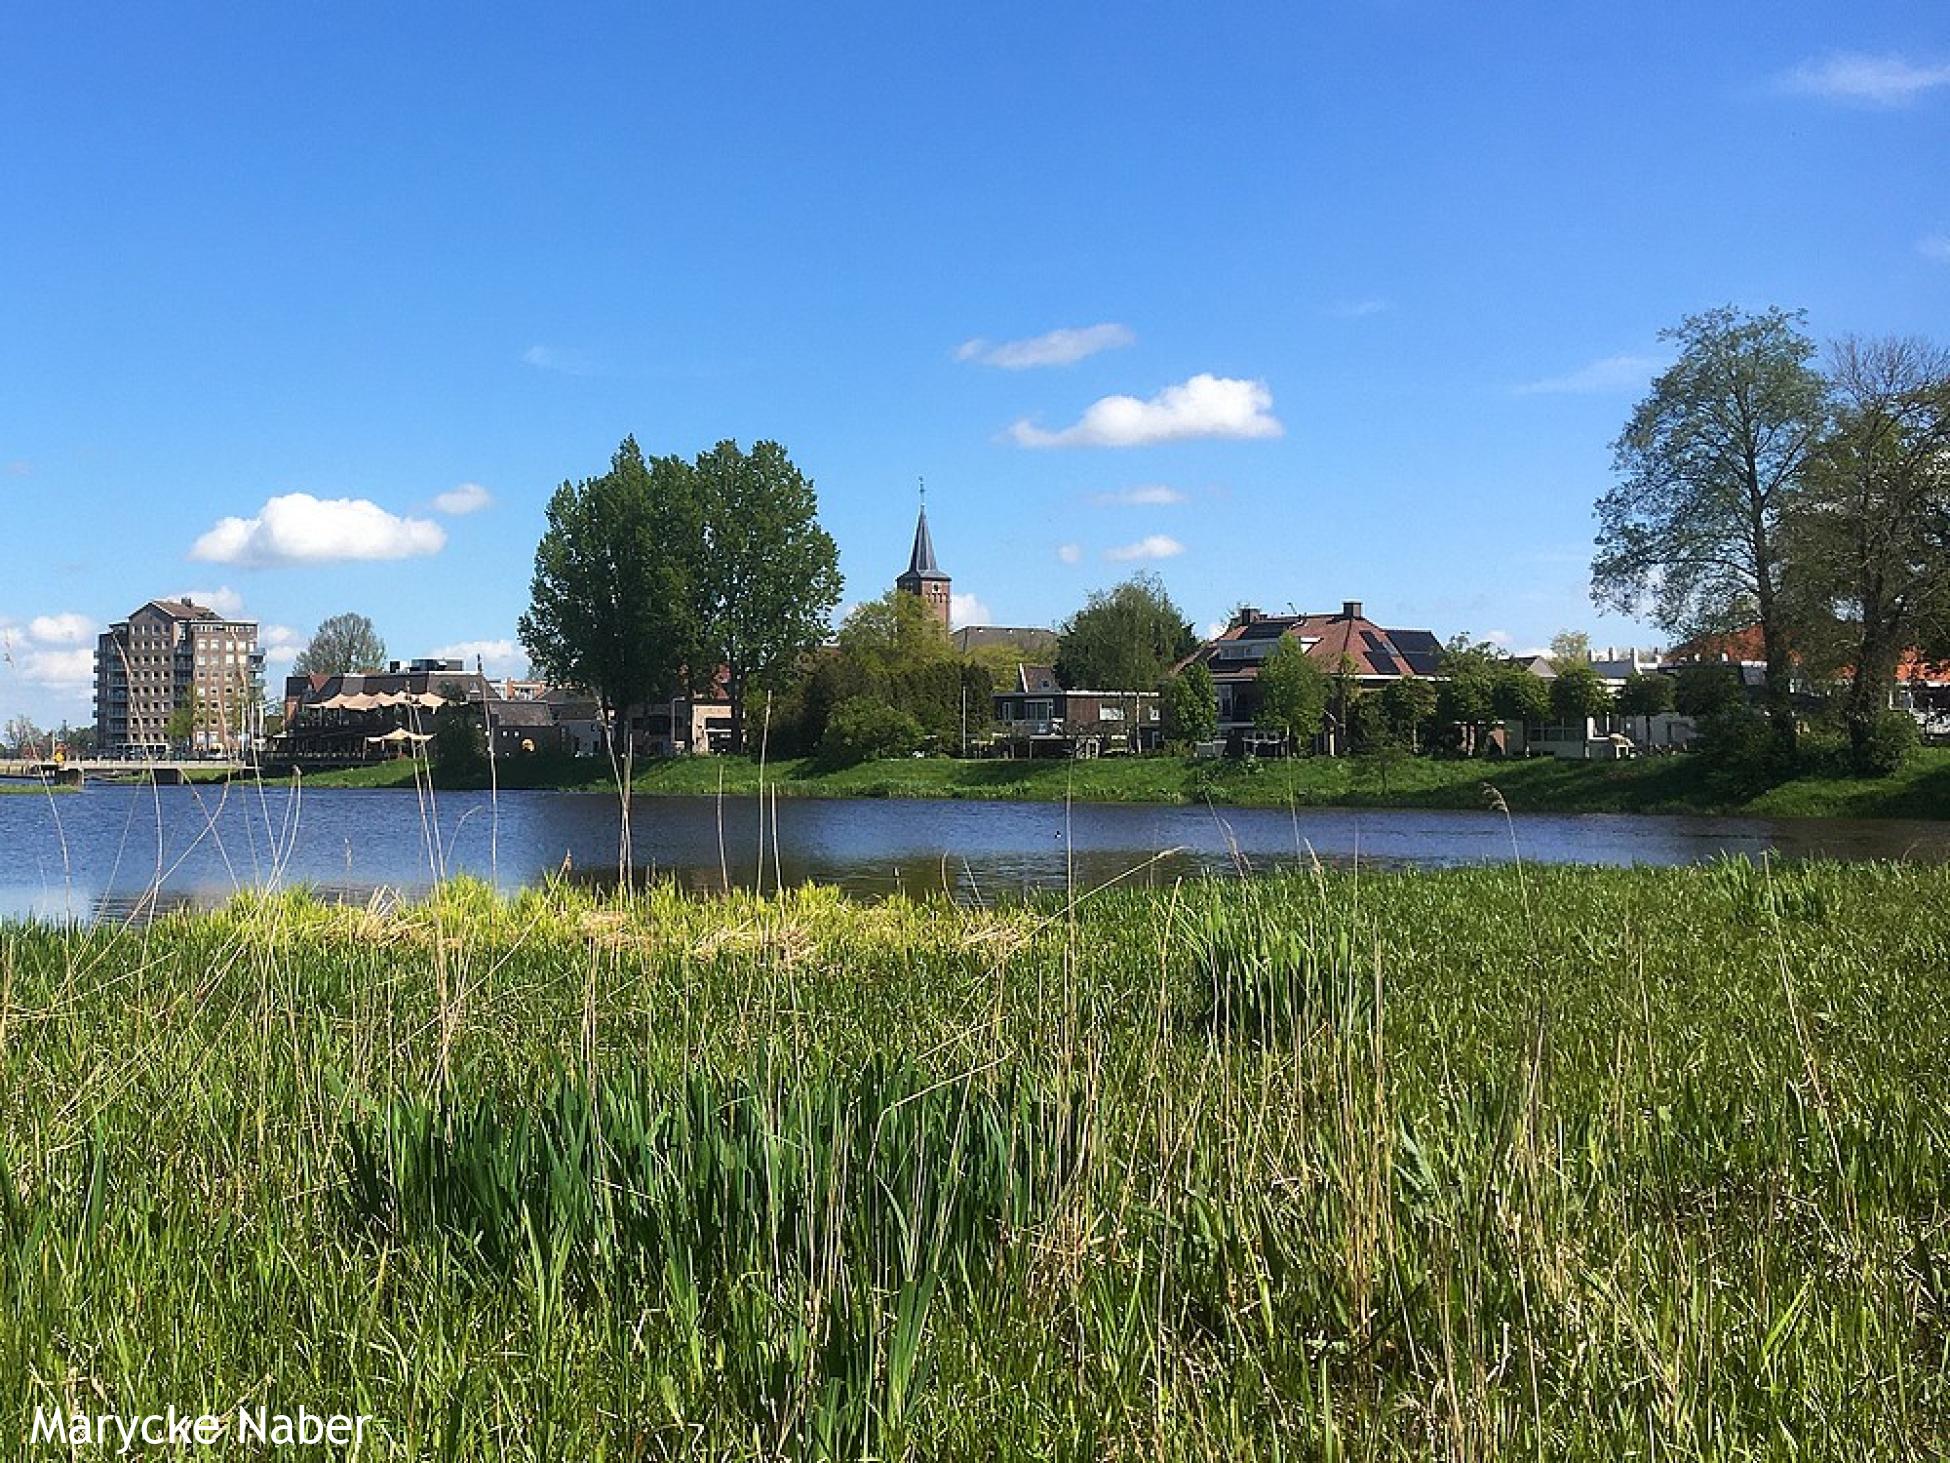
(924, 493)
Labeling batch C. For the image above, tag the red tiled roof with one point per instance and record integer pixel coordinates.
(1355, 640)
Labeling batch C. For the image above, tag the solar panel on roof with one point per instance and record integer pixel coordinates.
(1383, 662)
(1262, 630)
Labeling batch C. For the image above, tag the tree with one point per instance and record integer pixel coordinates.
(1407, 705)
(22, 738)
(1872, 554)
(894, 651)
(1464, 700)
(865, 728)
(341, 644)
(1577, 694)
(1123, 639)
(1518, 694)
(1714, 462)
(1646, 695)
(1191, 706)
(892, 635)
(1702, 691)
(1293, 692)
(1570, 647)
(610, 606)
(767, 576)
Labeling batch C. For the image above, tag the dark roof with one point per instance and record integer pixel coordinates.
(921, 562)
(1037, 678)
(1030, 638)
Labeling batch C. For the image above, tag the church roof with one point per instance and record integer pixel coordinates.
(921, 563)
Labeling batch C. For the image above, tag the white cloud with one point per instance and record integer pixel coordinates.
(280, 643)
(1499, 637)
(462, 499)
(1152, 546)
(1057, 348)
(497, 657)
(62, 629)
(555, 358)
(64, 670)
(1854, 76)
(224, 600)
(1610, 373)
(1205, 406)
(1358, 309)
(966, 609)
(1935, 246)
(297, 528)
(1069, 553)
(1150, 495)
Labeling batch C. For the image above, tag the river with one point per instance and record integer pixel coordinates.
(96, 854)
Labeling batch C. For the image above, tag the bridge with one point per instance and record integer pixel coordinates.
(80, 769)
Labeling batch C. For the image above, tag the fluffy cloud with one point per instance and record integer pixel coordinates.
(62, 629)
(297, 528)
(1205, 406)
(280, 643)
(497, 657)
(463, 499)
(224, 600)
(1152, 546)
(1150, 495)
(1611, 373)
(60, 670)
(966, 609)
(1877, 81)
(1069, 553)
(1057, 348)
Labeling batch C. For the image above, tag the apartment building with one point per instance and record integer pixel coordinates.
(177, 677)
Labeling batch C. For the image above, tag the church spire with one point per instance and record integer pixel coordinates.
(924, 578)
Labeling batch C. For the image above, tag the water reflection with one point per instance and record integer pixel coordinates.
(124, 852)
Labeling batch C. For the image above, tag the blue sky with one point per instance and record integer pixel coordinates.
(1381, 280)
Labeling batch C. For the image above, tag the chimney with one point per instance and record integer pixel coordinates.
(1350, 609)
(1245, 615)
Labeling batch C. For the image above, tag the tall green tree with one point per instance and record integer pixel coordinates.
(340, 645)
(1646, 695)
(1293, 692)
(1191, 705)
(1464, 700)
(1123, 639)
(610, 605)
(1713, 465)
(1578, 693)
(1570, 647)
(1872, 558)
(1518, 694)
(767, 576)
(1407, 705)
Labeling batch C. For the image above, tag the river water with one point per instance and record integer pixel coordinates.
(96, 854)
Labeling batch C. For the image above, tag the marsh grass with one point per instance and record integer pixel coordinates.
(1596, 1164)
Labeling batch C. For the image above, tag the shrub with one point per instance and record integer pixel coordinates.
(1892, 738)
(862, 729)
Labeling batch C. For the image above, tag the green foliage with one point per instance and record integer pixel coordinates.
(1191, 706)
(865, 728)
(1700, 691)
(1713, 465)
(1578, 692)
(766, 576)
(341, 644)
(1467, 694)
(1569, 648)
(1646, 694)
(611, 606)
(1408, 706)
(1293, 693)
(1893, 739)
(458, 751)
(1124, 639)
(1516, 694)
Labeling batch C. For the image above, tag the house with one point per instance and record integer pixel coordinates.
(176, 673)
(1037, 717)
(340, 718)
(1345, 644)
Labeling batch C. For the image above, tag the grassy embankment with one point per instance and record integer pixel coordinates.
(1647, 785)
(1482, 1164)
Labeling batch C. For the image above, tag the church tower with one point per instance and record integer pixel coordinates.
(924, 578)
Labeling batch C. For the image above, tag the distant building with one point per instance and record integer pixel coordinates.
(1038, 717)
(924, 579)
(177, 676)
(1348, 643)
(1026, 642)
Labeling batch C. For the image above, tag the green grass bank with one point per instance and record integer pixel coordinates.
(1647, 785)
(1481, 1164)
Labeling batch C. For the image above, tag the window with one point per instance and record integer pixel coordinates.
(1036, 711)
(1111, 713)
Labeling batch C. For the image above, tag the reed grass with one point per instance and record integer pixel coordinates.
(1539, 1163)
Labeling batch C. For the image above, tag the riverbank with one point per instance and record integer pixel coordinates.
(1677, 784)
(1490, 1163)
